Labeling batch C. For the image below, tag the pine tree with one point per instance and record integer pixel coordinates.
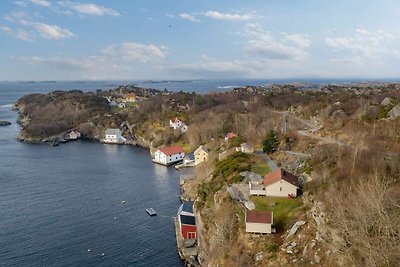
(270, 144)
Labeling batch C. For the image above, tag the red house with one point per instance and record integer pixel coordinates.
(186, 220)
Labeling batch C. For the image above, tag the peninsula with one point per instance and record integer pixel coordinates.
(333, 147)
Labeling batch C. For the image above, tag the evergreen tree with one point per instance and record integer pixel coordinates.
(270, 144)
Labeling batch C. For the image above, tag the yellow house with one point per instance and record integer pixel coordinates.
(130, 98)
(200, 155)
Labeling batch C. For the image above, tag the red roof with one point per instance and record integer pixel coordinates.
(175, 120)
(279, 174)
(171, 150)
(230, 135)
(130, 95)
(254, 216)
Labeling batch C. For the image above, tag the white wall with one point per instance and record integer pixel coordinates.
(261, 228)
(281, 189)
(162, 158)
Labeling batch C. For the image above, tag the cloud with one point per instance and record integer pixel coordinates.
(227, 16)
(18, 33)
(114, 61)
(363, 46)
(52, 32)
(267, 55)
(264, 45)
(21, 3)
(131, 51)
(298, 39)
(89, 9)
(41, 3)
(189, 17)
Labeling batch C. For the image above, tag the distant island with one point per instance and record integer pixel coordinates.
(335, 145)
(5, 123)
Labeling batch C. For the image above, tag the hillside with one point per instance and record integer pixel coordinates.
(342, 140)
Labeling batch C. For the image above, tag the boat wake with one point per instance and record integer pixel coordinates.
(6, 106)
(228, 87)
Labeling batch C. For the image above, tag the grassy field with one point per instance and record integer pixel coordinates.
(285, 210)
(260, 167)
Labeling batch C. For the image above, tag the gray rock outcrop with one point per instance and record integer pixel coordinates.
(394, 113)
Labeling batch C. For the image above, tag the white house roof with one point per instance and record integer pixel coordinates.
(113, 131)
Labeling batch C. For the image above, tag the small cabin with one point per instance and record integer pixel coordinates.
(259, 222)
(113, 136)
(187, 222)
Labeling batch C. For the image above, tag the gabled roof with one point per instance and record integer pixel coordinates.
(230, 135)
(254, 216)
(201, 148)
(112, 131)
(190, 156)
(187, 206)
(175, 120)
(187, 220)
(171, 150)
(279, 174)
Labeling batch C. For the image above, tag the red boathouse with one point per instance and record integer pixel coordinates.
(187, 221)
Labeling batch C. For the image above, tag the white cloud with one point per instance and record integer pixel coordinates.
(18, 33)
(300, 40)
(114, 61)
(263, 44)
(189, 17)
(41, 3)
(227, 16)
(130, 51)
(53, 32)
(21, 3)
(363, 45)
(89, 9)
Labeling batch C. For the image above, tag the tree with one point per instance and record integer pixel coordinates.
(271, 142)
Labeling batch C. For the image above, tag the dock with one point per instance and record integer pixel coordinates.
(187, 249)
(151, 212)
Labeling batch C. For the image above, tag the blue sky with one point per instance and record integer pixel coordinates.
(183, 39)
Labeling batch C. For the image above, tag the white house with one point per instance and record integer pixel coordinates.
(259, 222)
(73, 135)
(121, 105)
(279, 183)
(169, 155)
(175, 123)
(113, 136)
(178, 124)
(246, 148)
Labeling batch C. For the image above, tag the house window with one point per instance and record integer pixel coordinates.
(280, 188)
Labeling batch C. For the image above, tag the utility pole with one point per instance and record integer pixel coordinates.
(285, 123)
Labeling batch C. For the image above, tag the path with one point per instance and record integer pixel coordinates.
(299, 154)
(272, 165)
(313, 127)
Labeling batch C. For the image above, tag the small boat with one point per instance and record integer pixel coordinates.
(55, 142)
(151, 212)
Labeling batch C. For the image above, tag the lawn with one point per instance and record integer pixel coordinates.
(285, 210)
(260, 167)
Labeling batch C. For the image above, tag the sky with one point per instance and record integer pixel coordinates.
(198, 39)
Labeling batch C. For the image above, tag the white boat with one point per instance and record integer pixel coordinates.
(151, 212)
